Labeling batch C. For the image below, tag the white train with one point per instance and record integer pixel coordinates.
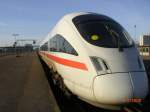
(96, 59)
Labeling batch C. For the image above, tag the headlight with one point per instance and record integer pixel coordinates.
(100, 65)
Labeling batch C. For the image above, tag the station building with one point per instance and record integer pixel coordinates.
(144, 45)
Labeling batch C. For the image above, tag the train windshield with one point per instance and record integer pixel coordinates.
(105, 34)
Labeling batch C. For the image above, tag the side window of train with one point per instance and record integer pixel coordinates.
(62, 45)
(65, 46)
(44, 47)
(53, 44)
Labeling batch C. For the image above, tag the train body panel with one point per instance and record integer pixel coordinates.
(121, 87)
(102, 67)
(73, 77)
(122, 61)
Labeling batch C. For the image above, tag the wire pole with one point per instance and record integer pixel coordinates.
(135, 34)
(15, 43)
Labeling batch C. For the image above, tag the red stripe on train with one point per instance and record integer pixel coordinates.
(67, 62)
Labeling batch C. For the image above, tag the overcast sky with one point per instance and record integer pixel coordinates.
(33, 19)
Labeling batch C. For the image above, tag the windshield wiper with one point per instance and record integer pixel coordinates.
(116, 36)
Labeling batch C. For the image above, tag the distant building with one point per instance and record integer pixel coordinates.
(144, 46)
(144, 50)
(145, 40)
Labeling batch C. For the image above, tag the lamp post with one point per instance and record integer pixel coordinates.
(15, 43)
(135, 33)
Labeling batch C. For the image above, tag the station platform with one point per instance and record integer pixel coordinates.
(23, 85)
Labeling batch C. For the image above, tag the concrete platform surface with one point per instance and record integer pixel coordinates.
(23, 85)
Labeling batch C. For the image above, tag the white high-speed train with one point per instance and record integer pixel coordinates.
(94, 57)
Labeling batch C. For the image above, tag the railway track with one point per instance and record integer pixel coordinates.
(73, 104)
(133, 108)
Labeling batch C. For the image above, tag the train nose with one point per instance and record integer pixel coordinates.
(118, 88)
(140, 84)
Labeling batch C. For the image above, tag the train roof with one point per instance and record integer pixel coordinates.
(67, 17)
(73, 15)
